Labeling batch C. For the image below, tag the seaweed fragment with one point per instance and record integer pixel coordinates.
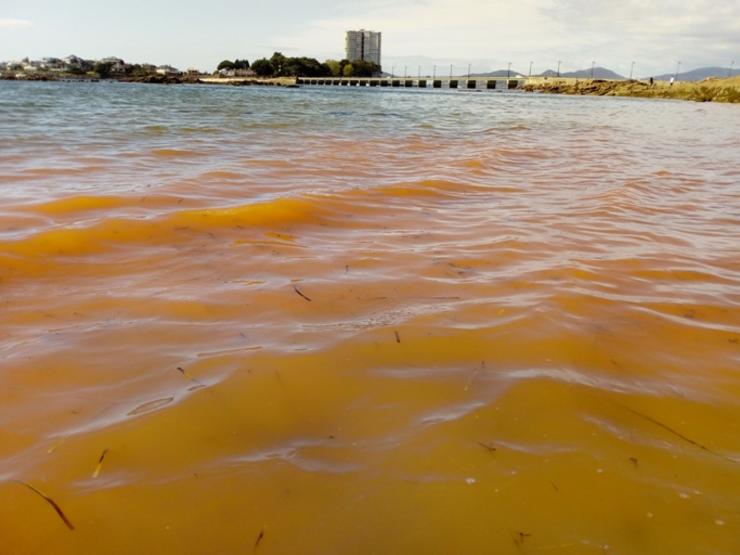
(519, 537)
(50, 501)
(676, 433)
(259, 538)
(96, 472)
(295, 288)
(489, 448)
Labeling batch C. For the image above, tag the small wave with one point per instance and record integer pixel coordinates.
(71, 241)
(174, 153)
(631, 385)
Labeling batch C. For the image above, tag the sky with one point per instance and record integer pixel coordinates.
(488, 34)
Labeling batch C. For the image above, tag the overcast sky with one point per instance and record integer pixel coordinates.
(487, 33)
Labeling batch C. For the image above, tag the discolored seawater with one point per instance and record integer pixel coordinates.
(241, 320)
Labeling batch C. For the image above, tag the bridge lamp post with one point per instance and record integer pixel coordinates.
(678, 68)
(559, 62)
(451, 71)
(468, 71)
(419, 72)
(405, 71)
(434, 72)
(530, 68)
(593, 65)
(508, 70)
(632, 70)
(393, 71)
(732, 64)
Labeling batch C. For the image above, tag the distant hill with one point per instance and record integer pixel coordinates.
(599, 73)
(698, 74)
(498, 73)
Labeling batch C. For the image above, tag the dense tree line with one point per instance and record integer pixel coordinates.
(284, 66)
(236, 64)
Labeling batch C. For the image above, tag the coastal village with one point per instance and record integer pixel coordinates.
(75, 66)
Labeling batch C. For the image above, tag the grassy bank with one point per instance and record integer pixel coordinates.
(709, 90)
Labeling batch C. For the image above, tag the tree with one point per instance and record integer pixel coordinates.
(304, 67)
(334, 67)
(241, 64)
(226, 64)
(347, 70)
(262, 67)
(103, 69)
(277, 61)
(362, 68)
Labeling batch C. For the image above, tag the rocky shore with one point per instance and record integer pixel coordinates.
(708, 90)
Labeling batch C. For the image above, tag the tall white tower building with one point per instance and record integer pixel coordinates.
(363, 45)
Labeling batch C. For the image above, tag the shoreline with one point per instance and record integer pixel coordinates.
(723, 90)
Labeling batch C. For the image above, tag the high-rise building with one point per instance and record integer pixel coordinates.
(363, 45)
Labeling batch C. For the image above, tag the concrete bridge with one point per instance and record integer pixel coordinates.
(465, 83)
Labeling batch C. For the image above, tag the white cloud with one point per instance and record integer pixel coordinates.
(9, 23)
(491, 32)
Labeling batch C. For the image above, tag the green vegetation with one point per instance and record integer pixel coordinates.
(236, 64)
(103, 69)
(335, 67)
(262, 67)
(279, 65)
(358, 68)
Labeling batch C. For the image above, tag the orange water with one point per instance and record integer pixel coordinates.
(342, 322)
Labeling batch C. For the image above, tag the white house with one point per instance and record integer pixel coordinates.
(168, 70)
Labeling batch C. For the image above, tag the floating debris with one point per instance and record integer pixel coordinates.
(398, 337)
(50, 501)
(295, 288)
(674, 432)
(259, 538)
(489, 448)
(96, 473)
(519, 537)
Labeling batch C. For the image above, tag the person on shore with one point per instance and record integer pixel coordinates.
(652, 81)
(672, 80)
